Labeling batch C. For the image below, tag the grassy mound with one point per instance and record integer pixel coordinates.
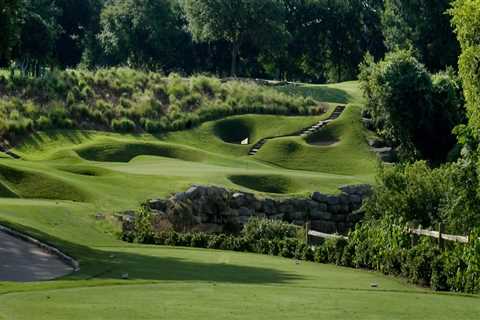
(350, 156)
(325, 137)
(181, 283)
(344, 93)
(33, 184)
(233, 130)
(84, 170)
(114, 151)
(266, 183)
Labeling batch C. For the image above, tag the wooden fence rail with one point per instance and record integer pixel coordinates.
(439, 235)
(418, 231)
(318, 234)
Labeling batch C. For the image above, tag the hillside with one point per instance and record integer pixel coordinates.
(65, 178)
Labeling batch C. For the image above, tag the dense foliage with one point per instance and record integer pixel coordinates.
(132, 101)
(423, 26)
(411, 108)
(309, 40)
(466, 19)
(419, 195)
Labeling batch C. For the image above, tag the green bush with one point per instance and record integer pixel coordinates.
(423, 196)
(411, 108)
(266, 229)
(123, 125)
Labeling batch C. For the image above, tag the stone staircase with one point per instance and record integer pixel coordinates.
(316, 127)
(257, 147)
(337, 112)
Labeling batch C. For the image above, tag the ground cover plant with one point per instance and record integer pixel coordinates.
(126, 100)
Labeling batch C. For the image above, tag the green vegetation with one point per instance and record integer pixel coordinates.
(381, 244)
(350, 155)
(181, 283)
(124, 100)
(415, 111)
(465, 19)
(95, 141)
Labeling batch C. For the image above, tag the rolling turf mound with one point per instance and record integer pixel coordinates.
(85, 170)
(115, 151)
(33, 184)
(6, 192)
(348, 154)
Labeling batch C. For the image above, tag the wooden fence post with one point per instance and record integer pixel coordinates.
(307, 229)
(441, 230)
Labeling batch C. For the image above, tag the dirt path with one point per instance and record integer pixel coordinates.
(24, 261)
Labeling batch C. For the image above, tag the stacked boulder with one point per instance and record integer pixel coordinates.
(215, 209)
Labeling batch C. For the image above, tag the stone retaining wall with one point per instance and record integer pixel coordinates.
(213, 209)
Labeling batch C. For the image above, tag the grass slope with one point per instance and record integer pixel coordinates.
(349, 155)
(113, 172)
(176, 283)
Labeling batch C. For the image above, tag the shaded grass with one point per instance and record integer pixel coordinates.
(343, 93)
(266, 183)
(115, 151)
(32, 184)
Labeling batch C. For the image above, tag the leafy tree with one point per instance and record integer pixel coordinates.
(411, 108)
(235, 21)
(10, 22)
(448, 111)
(142, 33)
(39, 32)
(424, 26)
(327, 39)
(75, 20)
(466, 19)
(398, 91)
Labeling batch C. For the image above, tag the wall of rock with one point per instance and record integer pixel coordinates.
(214, 209)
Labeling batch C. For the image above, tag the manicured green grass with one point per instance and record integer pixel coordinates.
(70, 176)
(349, 155)
(176, 283)
(345, 92)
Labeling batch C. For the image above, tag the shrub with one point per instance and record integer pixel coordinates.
(123, 125)
(423, 196)
(266, 229)
(411, 108)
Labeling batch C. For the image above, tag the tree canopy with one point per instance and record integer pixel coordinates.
(257, 21)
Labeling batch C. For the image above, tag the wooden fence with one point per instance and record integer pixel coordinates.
(440, 235)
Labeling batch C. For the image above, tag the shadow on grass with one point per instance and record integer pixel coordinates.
(110, 265)
(320, 93)
(35, 140)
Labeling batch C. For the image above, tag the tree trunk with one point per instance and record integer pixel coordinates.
(235, 52)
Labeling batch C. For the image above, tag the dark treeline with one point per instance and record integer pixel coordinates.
(305, 40)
